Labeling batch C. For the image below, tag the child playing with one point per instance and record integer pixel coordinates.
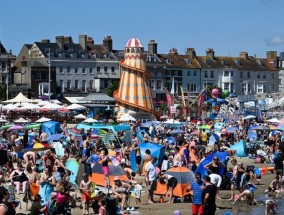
(270, 206)
(137, 193)
(85, 189)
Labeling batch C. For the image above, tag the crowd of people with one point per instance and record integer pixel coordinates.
(26, 173)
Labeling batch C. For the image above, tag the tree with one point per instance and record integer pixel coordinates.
(112, 88)
(3, 92)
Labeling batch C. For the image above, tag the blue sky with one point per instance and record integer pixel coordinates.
(227, 26)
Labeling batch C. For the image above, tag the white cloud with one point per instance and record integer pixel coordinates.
(274, 41)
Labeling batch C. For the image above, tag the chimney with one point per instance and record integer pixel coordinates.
(108, 43)
(90, 40)
(83, 42)
(152, 47)
(210, 53)
(191, 53)
(173, 51)
(68, 40)
(271, 55)
(45, 41)
(60, 42)
(244, 55)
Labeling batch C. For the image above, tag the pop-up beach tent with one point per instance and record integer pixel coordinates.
(51, 127)
(156, 150)
(241, 148)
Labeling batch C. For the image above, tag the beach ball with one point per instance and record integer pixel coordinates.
(215, 93)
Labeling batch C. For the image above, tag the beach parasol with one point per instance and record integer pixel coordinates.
(274, 120)
(52, 106)
(90, 120)
(80, 116)
(76, 107)
(125, 118)
(29, 106)
(99, 177)
(249, 117)
(232, 129)
(37, 147)
(177, 131)
(74, 132)
(21, 120)
(63, 110)
(196, 132)
(19, 98)
(15, 127)
(9, 107)
(2, 120)
(43, 119)
(55, 137)
(280, 127)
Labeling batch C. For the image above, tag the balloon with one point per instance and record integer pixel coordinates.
(226, 93)
(215, 93)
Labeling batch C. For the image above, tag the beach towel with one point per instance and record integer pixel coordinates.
(45, 192)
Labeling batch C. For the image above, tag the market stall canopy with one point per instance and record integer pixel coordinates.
(125, 118)
(9, 107)
(52, 106)
(90, 120)
(19, 98)
(43, 119)
(29, 106)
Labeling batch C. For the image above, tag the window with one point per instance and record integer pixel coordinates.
(61, 85)
(194, 73)
(244, 88)
(68, 70)
(92, 71)
(84, 85)
(152, 84)
(248, 75)
(76, 84)
(38, 76)
(227, 86)
(91, 84)
(105, 68)
(76, 71)
(249, 88)
(112, 69)
(98, 69)
(193, 88)
(258, 76)
(84, 71)
(241, 74)
(68, 86)
(105, 83)
(188, 72)
(205, 74)
(232, 87)
(61, 72)
(212, 74)
(226, 73)
(159, 84)
(272, 75)
(232, 73)
(179, 72)
(259, 88)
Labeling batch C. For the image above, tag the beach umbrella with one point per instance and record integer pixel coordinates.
(19, 98)
(21, 120)
(74, 132)
(213, 138)
(52, 106)
(90, 120)
(80, 116)
(4, 127)
(55, 137)
(196, 132)
(260, 127)
(164, 117)
(280, 127)
(249, 117)
(274, 120)
(76, 107)
(177, 131)
(2, 120)
(172, 121)
(99, 178)
(41, 109)
(206, 127)
(37, 147)
(9, 107)
(42, 103)
(184, 178)
(149, 123)
(219, 125)
(33, 125)
(29, 106)
(63, 110)
(43, 119)
(16, 127)
(125, 118)
(232, 129)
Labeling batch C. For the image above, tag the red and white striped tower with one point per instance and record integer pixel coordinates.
(134, 95)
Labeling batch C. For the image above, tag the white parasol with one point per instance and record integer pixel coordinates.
(43, 119)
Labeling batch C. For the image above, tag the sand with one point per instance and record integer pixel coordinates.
(185, 208)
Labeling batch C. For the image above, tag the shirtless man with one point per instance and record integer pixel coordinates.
(275, 185)
(29, 156)
(43, 137)
(85, 146)
(85, 189)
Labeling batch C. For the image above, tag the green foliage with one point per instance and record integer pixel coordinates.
(3, 92)
(112, 88)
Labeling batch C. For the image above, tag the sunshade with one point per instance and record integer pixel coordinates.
(232, 129)
(15, 127)
(219, 125)
(184, 177)
(213, 138)
(43, 119)
(4, 127)
(2, 120)
(29, 107)
(177, 131)
(63, 110)
(99, 177)
(250, 117)
(90, 120)
(42, 103)
(19, 98)
(274, 120)
(149, 123)
(205, 126)
(172, 121)
(37, 147)
(260, 127)
(76, 107)
(55, 137)
(21, 120)
(9, 107)
(126, 118)
(52, 106)
(33, 125)
(196, 132)
(80, 116)
(74, 132)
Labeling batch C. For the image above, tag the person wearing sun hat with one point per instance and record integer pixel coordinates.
(120, 190)
(177, 212)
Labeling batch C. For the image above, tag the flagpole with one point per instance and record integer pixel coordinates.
(198, 96)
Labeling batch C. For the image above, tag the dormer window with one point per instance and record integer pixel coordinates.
(97, 55)
(151, 59)
(188, 61)
(169, 61)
